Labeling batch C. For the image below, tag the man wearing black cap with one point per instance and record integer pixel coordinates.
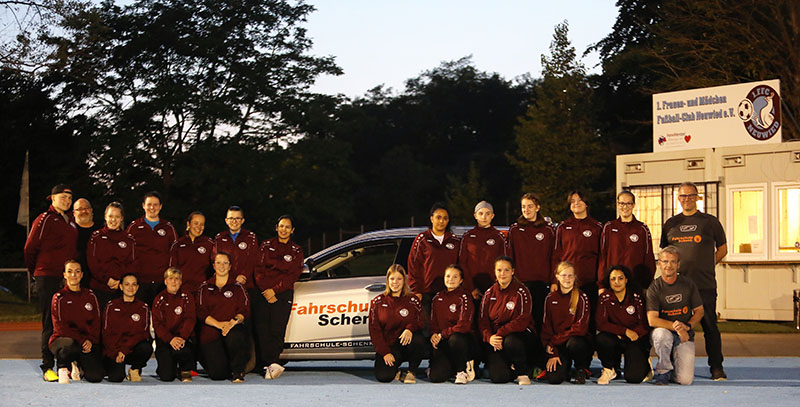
(52, 241)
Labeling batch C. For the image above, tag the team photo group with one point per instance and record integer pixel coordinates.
(534, 303)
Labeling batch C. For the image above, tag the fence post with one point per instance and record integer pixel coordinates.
(384, 224)
(309, 247)
(362, 229)
(412, 221)
(324, 245)
(340, 235)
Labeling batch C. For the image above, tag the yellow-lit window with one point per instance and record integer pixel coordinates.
(648, 211)
(789, 220)
(747, 215)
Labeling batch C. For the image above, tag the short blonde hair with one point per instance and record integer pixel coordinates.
(173, 272)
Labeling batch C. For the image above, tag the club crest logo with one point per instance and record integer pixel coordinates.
(540, 236)
(288, 258)
(243, 245)
(228, 294)
(587, 233)
(630, 310)
(88, 306)
(162, 232)
(450, 246)
(122, 244)
(178, 310)
(634, 238)
(490, 242)
(201, 250)
(510, 305)
(403, 312)
(760, 112)
(452, 307)
(136, 317)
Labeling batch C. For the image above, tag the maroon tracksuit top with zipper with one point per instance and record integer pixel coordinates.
(244, 253)
(76, 315)
(174, 315)
(479, 249)
(280, 266)
(578, 242)
(558, 325)
(152, 249)
(389, 316)
(193, 259)
(53, 240)
(222, 304)
(615, 317)
(124, 325)
(110, 254)
(531, 247)
(629, 244)
(451, 312)
(505, 311)
(427, 260)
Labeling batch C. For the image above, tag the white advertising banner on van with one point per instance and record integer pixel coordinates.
(731, 115)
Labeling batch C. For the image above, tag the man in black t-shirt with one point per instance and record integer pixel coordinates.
(674, 308)
(701, 242)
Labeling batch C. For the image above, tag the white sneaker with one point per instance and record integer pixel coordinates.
(523, 380)
(63, 375)
(470, 370)
(461, 378)
(276, 370)
(607, 376)
(75, 374)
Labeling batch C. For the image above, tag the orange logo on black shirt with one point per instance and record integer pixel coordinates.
(697, 238)
(685, 310)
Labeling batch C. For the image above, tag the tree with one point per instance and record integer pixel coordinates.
(463, 195)
(558, 144)
(163, 75)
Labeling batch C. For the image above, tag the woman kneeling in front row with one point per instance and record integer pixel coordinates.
(395, 327)
(126, 333)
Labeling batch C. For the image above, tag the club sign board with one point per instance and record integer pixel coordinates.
(730, 115)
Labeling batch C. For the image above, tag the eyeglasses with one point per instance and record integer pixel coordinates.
(625, 204)
(235, 219)
(687, 196)
(673, 262)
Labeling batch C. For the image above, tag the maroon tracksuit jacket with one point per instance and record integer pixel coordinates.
(174, 315)
(558, 325)
(615, 317)
(531, 247)
(76, 315)
(222, 304)
(451, 312)
(52, 241)
(244, 253)
(390, 316)
(280, 265)
(152, 249)
(193, 259)
(124, 325)
(505, 311)
(479, 249)
(427, 260)
(629, 244)
(110, 254)
(578, 242)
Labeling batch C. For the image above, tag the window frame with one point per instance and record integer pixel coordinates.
(774, 222)
(765, 220)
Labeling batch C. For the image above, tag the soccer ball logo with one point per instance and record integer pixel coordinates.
(745, 110)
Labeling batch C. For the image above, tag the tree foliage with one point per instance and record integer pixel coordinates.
(558, 147)
(463, 193)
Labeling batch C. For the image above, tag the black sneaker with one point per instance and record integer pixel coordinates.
(717, 374)
(238, 378)
(580, 377)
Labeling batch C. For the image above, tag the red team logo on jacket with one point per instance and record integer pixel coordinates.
(634, 238)
(88, 306)
(178, 310)
(162, 232)
(450, 246)
(403, 312)
(201, 250)
(510, 305)
(135, 317)
(587, 233)
(243, 245)
(122, 244)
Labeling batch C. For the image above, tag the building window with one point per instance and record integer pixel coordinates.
(746, 217)
(788, 219)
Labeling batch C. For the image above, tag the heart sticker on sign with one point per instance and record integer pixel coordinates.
(687, 138)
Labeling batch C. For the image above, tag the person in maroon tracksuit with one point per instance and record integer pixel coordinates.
(622, 322)
(432, 251)
(452, 336)
(193, 254)
(154, 238)
(530, 243)
(280, 267)
(76, 329)
(174, 319)
(565, 327)
(242, 247)
(126, 333)
(222, 308)
(578, 242)
(627, 241)
(395, 327)
(480, 246)
(506, 326)
(110, 254)
(53, 239)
